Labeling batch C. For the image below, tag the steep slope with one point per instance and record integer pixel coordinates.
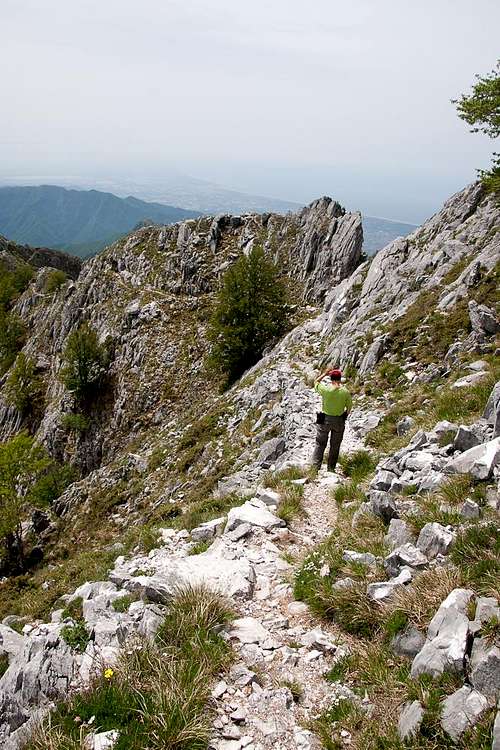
(75, 220)
(158, 462)
(11, 254)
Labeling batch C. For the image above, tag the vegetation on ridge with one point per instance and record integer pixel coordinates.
(481, 110)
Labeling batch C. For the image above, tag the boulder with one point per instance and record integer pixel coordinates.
(468, 380)
(479, 461)
(382, 480)
(492, 409)
(11, 642)
(385, 589)
(405, 555)
(482, 319)
(208, 530)
(478, 365)
(405, 425)
(101, 740)
(364, 558)
(253, 512)
(268, 496)
(383, 505)
(250, 630)
(465, 439)
(434, 539)
(213, 568)
(408, 642)
(446, 644)
(398, 533)
(461, 710)
(410, 720)
(418, 461)
(485, 669)
(470, 509)
(271, 451)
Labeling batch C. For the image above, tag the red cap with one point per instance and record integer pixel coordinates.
(335, 374)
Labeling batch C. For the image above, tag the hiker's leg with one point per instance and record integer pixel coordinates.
(322, 431)
(336, 435)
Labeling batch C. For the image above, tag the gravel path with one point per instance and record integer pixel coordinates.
(277, 684)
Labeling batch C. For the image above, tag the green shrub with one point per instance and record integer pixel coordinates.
(357, 465)
(77, 422)
(51, 483)
(290, 505)
(54, 280)
(76, 636)
(24, 388)
(21, 464)
(250, 312)
(199, 547)
(347, 492)
(85, 363)
(12, 338)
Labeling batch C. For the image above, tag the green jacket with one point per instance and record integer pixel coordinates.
(336, 399)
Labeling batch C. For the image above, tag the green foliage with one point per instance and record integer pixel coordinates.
(123, 602)
(340, 669)
(389, 373)
(13, 283)
(251, 311)
(476, 552)
(76, 636)
(199, 547)
(4, 664)
(85, 363)
(50, 484)
(347, 492)
(481, 110)
(490, 631)
(395, 623)
(73, 610)
(21, 464)
(290, 505)
(357, 465)
(274, 478)
(76, 422)
(12, 337)
(24, 388)
(54, 280)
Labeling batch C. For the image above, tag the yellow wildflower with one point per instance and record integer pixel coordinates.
(108, 673)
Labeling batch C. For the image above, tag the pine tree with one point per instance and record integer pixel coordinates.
(86, 363)
(251, 311)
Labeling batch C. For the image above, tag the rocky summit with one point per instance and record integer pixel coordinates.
(183, 531)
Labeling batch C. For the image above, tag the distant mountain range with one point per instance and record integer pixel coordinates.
(82, 222)
(77, 221)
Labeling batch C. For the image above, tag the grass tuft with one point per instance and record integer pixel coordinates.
(158, 694)
(476, 552)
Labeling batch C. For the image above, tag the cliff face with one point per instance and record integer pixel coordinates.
(11, 253)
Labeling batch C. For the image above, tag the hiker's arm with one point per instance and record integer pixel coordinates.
(322, 375)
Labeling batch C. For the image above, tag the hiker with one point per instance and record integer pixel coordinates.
(337, 404)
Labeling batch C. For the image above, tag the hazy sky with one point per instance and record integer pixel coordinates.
(285, 98)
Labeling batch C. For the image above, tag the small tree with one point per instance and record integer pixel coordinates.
(24, 388)
(12, 337)
(86, 363)
(481, 110)
(21, 463)
(251, 310)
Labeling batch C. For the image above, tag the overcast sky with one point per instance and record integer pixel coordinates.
(281, 97)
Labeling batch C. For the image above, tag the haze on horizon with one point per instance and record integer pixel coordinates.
(349, 99)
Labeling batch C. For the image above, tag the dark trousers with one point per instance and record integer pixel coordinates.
(333, 426)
